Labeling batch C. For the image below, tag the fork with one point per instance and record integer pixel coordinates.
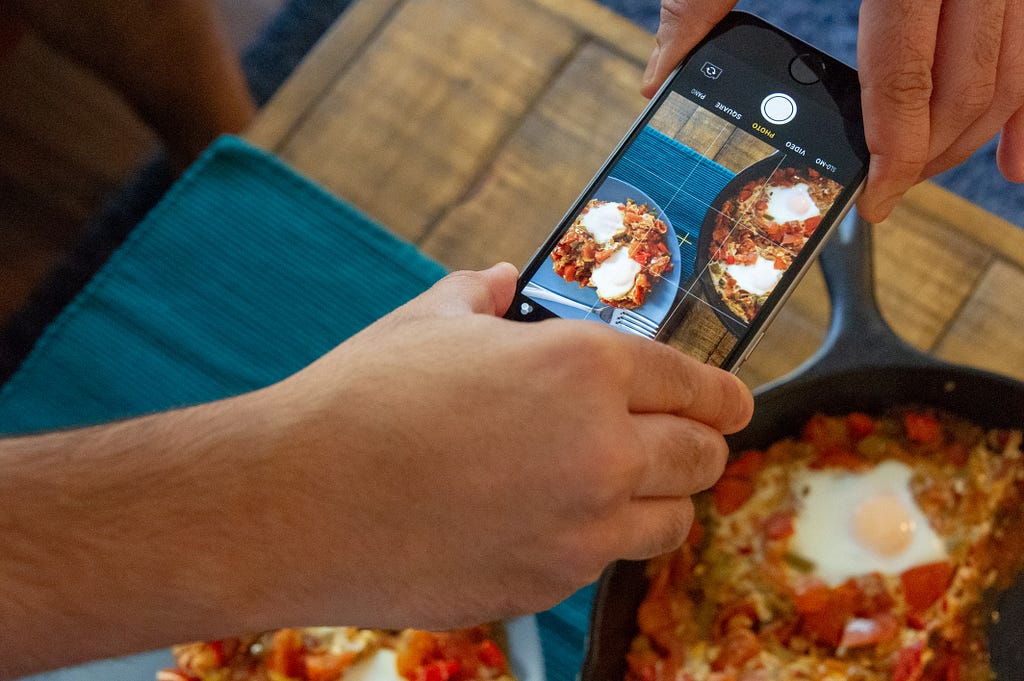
(628, 320)
(625, 320)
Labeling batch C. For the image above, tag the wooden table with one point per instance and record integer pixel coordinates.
(469, 127)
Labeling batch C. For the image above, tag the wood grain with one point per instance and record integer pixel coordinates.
(415, 118)
(543, 166)
(987, 331)
(469, 128)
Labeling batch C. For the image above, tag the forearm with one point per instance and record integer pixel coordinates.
(114, 537)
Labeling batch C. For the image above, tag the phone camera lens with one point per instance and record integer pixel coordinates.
(806, 68)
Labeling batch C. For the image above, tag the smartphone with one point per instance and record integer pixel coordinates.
(714, 203)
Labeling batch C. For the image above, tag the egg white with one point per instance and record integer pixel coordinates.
(381, 666)
(786, 204)
(823, 528)
(614, 278)
(759, 278)
(604, 222)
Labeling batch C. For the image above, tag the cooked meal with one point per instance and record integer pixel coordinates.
(616, 248)
(866, 549)
(758, 232)
(344, 653)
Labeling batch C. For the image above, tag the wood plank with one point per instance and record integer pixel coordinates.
(926, 270)
(415, 118)
(673, 115)
(330, 57)
(742, 149)
(987, 334)
(932, 202)
(543, 167)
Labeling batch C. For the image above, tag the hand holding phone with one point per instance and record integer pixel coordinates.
(705, 216)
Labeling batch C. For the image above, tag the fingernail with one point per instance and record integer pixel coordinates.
(652, 63)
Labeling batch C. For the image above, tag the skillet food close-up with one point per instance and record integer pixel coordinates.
(863, 549)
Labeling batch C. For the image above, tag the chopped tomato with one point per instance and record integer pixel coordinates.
(490, 654)
(745, 465)
(828, 623)
(825, 625)
(731, 493)
(824, 431)
(420, 646)
(569, 273)
(811, 595)
(925, 584)
(952, 668)
(654, 616)
(920, 427)
(285, 656)
(908, 665)
(861, 631)
(327, 666)
(811, 224)
(838, 457)
(739, 646)
(696, 534)
(779, 525)
(859, 425)
(441, 670)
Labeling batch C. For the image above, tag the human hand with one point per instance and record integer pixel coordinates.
(939, 79)
(446, 466)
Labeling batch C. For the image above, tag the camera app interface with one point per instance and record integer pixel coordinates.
(691, 230)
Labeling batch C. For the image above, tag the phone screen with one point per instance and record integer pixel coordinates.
(713, 202)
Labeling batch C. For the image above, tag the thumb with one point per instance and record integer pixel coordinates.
(468, 292)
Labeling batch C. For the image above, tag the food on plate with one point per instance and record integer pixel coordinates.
(866, 549)
(345, 654)
(758, 232)
(616, 248)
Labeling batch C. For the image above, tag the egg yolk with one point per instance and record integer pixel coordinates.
(884, 525)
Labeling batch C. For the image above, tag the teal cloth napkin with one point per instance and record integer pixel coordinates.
(244, 273)
(681, 181)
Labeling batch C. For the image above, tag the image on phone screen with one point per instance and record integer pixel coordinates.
(689, 230)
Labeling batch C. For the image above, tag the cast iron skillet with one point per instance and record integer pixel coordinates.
(861, 366)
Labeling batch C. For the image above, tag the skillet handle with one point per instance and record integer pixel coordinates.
(858, 336)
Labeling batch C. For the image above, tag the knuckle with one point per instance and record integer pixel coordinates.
(708, 454)
(672, 533)
(673, 11)
(909, 89)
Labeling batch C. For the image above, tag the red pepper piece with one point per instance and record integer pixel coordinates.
(922, 428)
(925, 584)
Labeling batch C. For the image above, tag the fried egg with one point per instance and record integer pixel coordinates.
(380, 666)
(759, 278)
(854, 523)
(614, 278)
(604, 222)
(786, 204)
